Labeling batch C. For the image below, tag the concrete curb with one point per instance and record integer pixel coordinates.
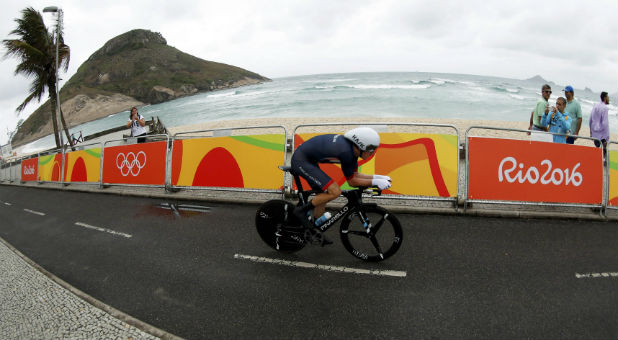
(143, 326)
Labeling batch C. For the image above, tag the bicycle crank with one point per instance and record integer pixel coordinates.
(314, 237)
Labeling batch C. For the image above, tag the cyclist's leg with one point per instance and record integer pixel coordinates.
(317, 179)
(319, 201)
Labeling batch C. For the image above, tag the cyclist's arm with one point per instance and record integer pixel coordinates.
(360, 180)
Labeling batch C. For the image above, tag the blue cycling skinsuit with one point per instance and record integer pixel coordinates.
(322, 148)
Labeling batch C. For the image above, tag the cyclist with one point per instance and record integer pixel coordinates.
(359, 142)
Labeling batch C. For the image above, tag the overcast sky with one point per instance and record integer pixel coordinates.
(568, 42)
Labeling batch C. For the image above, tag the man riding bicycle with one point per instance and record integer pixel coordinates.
(359, 142)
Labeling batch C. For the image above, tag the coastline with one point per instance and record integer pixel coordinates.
(289, 123)
(460, 124)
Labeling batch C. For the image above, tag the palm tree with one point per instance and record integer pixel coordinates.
(36, 50)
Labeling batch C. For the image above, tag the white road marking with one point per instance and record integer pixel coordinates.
(339, 269)
(103, 229)
(34, 212)
(596, 275)
(7, 203)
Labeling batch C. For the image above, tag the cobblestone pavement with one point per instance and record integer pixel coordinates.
(32, 306)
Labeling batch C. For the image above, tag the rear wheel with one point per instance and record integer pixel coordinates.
(375, 243)
(278, 227)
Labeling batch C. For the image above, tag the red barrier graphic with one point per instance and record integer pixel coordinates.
(517, 170)
(135, 164)
(29, 169)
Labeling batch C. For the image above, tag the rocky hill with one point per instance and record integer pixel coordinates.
(132, 69)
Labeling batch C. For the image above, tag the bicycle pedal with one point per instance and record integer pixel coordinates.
(314, 237)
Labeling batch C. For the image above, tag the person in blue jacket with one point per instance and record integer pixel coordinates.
(558, 121)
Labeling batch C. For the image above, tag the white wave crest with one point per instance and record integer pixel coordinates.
(388, 87)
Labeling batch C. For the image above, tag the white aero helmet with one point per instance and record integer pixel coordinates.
(366, 138)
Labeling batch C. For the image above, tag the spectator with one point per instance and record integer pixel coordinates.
(542, 106)
(574, 110)
(137, 124)
(599, 122)
(558, 121)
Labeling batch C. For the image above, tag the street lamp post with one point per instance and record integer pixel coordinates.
(58, 11)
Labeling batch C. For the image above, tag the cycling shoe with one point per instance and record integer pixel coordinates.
(302, 217)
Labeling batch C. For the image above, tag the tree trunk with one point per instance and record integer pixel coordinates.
(66, 130)
(52, 97)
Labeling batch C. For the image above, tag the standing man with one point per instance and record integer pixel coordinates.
(599, 122)
(574, 110)
(542, 107)
(558, 121)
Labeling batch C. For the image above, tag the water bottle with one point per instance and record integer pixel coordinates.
(322, 219)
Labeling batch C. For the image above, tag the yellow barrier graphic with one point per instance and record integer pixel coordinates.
(231, 161)
(82, 165)
(613, 178)
(50, 167)
(419, 164)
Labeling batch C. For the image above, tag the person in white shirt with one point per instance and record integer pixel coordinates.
(137, 123)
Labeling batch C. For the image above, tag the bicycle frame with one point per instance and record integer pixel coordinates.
(354, 198)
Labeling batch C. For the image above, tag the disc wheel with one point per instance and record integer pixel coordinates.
(381, 242)
(278, 227)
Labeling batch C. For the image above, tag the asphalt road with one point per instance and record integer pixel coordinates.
(466, 277)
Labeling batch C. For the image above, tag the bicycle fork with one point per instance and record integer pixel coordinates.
(365, 220)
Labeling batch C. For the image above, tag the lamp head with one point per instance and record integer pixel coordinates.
(50, 9)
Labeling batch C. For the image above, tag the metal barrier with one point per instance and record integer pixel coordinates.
(435, 170)
(230, 185)
(133, 166)
(80, 148)
(611, 167)
(50, 156)
(571, 177)
(33, 172)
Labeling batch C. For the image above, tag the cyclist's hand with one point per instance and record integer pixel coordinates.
(382, 177)
(381, 183)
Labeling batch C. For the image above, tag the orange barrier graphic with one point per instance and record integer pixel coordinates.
(82, 165)
(517, 170)
(419, 164)
(135, 164)
(28, 169)
(230, 162)
(50, 167)
(613, 178)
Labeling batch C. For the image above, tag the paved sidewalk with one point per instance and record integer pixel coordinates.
(35, 306)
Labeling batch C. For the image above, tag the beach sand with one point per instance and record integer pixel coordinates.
(461, 125)
(425, 125)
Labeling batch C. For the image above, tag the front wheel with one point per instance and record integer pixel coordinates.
(278, 227)
(371, 233)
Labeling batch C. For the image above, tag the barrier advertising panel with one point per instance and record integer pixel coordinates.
(29, 169)
(82, 165)
(519, 170)
(50, 167)
(246, 161)
(419, 164)
(613, 178)
(135, 164)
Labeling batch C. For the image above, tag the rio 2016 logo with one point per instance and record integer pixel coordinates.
(131, 163)
(532, 175)
(28, 170)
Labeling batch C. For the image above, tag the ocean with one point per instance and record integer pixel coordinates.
(375, 95)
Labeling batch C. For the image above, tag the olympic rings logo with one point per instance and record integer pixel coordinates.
(131, 164)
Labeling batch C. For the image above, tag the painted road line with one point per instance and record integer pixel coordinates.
(103, 229)
(7, 203)
(339, 269)
(34, 212)
(596, 275)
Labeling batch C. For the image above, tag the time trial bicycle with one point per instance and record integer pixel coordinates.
(367, 231)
